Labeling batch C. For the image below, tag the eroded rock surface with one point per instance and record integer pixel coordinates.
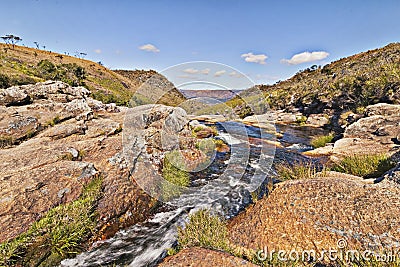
(55, 139)
(377, 132)
(204, 258)
(316, 213)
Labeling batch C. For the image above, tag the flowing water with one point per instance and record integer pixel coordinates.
(224, 187)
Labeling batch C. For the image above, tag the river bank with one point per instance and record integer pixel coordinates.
(321, 210)
(72, 159)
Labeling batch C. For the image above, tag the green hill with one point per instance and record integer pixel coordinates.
(346, 84)
(23, 65)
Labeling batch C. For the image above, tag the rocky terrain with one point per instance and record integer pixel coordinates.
(57, 144)
(377, 130)
(329, 209)
(74, 170)
(221, 95)
(204, 258)
(22, 65)
(356, 98)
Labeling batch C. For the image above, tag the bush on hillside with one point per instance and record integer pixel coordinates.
(70, 73)
(4, 81)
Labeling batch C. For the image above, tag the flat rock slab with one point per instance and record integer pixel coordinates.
(316, 213)
(201, 257)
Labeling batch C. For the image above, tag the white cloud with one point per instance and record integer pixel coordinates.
(149, 48)
(250, 57)
(205, 71)
(235, 74)
(191, 71)
(97, 51)
(194, 71)
(306, 57)
(219, 73)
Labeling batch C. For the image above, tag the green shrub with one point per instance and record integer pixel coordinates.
(4, 81)
(198, 128)
(70, 73)
(53, 121)
(367, 166)
(321, 141)
(58, 234)
(206, 145)
(6, 141)
(46, 67)
(174, 172)
(204, 230)
(109, 97)
(115, 92)
(301, 120)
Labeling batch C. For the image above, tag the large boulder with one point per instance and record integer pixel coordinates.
(377, 132)
(204, 258)
(315, 214)
(381, 124)
(13, 96)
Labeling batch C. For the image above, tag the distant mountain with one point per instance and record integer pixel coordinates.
(221, 95)
(23, 65)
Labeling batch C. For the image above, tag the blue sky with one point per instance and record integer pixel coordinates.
(259, 38)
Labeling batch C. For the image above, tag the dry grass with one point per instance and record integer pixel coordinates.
(297, 170)
(19, 66)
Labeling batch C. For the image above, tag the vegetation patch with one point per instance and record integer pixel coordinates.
(321, 141)
(207, 145)
(175, 175)
(6, 141)
(297, 170)
(4, 81)
(204, 230)
(367, 166)
(53, 121)
(57, 235)
(70, 73)
(117, 94)
(301, 120)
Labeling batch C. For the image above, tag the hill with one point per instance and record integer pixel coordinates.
(221, 95)
(154, 86)
(23, 65)
(346, 84)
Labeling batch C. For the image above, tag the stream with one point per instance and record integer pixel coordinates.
(224, 187)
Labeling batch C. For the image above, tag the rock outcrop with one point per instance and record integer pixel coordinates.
(377, 132)
(317, 213)
(55, 139)
(204, 258)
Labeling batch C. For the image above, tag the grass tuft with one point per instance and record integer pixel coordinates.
(174, 172)
(204, 230)
(321, 141)
(296, 170)
(367, 166)
(53, 121)
(58, 234)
